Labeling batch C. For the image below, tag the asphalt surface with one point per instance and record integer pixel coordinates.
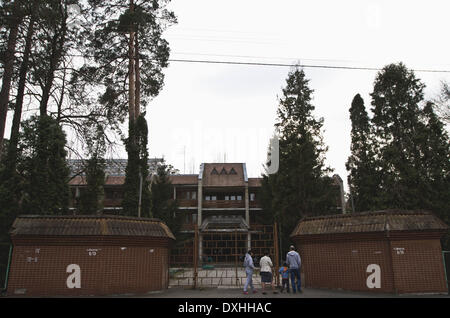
(307, 293)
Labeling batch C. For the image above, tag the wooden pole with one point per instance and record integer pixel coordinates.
(236, 256)
(277, 254)
(195, 255)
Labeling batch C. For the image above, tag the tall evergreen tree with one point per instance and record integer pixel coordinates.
(163, 205)
(128, 54)
(396, 98)
(436, 162)
(412, 153)
(12, 16)
(362, 179)
(137, 171)
(302, 186)
(91, 199)
(44, 167)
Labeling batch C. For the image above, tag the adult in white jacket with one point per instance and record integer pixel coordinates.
(266, 272)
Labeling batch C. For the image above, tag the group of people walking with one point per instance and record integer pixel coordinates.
(290, 269)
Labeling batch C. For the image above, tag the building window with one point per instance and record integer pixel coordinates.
(252, 197)
(232, 171)
(239, 197)
(193, 195)
(187, 195)
(208, 198)
(214, 171)
(223, 171)
(213, 198)
(233, 197)
(194, 218)
(227, 197)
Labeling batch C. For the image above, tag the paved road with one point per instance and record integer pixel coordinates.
(237, 293)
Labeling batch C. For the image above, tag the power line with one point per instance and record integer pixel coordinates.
(283, 64)
(300, 65)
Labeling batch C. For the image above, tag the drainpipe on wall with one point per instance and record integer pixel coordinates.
(7, 268)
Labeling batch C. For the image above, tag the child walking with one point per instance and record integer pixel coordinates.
(284, 271)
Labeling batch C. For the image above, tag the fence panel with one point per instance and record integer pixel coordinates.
(215, 258)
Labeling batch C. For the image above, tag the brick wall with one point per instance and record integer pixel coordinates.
(40, 270)
(407, 266)
(343, 264)
(418, 266)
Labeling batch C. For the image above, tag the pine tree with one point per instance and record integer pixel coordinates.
(91, 199)
(12, 16)
(163, 205)
(302, 186)
(436, 163)
(395, 99)
(130, 31)
(44, 167)
(137, 171)
(412, 153)
(363, 179)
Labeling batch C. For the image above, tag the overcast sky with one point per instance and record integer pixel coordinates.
(209, 112)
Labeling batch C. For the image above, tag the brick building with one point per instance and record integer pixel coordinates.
(386, 251)
(221, 200)
(88, 255)
(114, 181)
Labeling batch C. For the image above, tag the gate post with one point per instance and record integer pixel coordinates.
(277, 255)
(195, 255)
(236, 256)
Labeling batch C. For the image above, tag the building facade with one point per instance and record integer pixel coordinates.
(114, 181)
(222, 203)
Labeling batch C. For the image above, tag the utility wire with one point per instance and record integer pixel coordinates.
(300, 65)
(283, 64)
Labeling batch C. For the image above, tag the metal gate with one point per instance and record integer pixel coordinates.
(215, 258)
(446, 257)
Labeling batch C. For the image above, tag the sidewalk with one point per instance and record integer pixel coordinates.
(187, 293)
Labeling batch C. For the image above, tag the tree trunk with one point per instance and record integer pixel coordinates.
(12, 149)
(58, 41)
(137, 105)
(7, 76)
(131, 75)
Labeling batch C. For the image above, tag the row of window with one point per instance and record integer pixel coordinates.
(192, 195)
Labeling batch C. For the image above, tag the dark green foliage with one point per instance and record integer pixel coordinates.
(362, 179)
(163, 205)
(107, 48)
(405, 162)
(395, 100)
(43, 167)
(301, 187)
(436, 162)
(137, 170)
(91, 198)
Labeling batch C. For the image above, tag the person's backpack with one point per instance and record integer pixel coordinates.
(245, 261)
